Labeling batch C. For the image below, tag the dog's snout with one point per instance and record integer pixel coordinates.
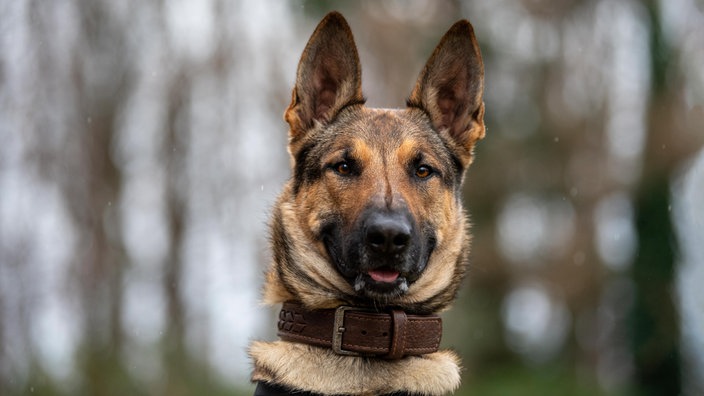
(388, 233)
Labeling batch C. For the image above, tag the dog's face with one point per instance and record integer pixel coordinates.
(373, 212)
(386, 190)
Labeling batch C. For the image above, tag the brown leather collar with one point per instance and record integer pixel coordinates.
(360, 332)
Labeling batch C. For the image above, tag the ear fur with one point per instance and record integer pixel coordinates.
(450, 88)
(329, 76)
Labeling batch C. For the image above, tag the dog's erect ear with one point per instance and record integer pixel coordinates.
(450, 88)
(329, 76)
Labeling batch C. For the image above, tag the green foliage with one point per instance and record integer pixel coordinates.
(522, 380)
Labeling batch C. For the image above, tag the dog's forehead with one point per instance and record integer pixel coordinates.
(390, 120)
(384, 128)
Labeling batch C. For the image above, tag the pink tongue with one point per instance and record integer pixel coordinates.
(387, 276)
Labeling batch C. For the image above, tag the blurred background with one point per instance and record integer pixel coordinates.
(142, 146)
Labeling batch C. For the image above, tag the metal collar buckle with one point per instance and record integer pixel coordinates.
(339, 329)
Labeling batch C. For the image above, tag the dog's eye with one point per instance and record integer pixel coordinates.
(423, 172)
(343, 168)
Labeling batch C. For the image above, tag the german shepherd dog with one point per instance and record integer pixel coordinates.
(371, 223)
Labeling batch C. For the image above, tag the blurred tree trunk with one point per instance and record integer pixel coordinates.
(655, 323)
(174, 151)
(94, 191)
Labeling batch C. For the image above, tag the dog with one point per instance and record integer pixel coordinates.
(370, 240)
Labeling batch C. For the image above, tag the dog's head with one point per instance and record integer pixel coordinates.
(372, 214)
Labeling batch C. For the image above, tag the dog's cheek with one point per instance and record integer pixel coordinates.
(429, 237)
(311, 210)
(336, 245)
(329, 207)
(439, 210)
(450, 206)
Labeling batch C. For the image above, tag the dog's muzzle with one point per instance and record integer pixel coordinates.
(382, 254)
(385, 240)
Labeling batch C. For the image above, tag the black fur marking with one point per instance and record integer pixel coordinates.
(457, 167)
(282, 254)
(306, 169)
(282, 249)
(416, 105)
(334, 241)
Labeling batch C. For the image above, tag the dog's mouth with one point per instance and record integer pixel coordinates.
(381, 282)
(383, 275)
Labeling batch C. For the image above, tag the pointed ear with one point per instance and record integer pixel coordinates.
(329, 76)
(451, 86)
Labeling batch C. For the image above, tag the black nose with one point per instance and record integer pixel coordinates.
(387, 233)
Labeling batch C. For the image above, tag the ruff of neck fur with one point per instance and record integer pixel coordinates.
(302, 367)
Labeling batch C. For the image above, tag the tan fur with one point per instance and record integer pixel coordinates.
(321, 371)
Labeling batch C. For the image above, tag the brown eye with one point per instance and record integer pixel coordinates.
(343, 168)
(423, 172)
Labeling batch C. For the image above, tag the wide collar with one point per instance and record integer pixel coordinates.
(359, 331)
